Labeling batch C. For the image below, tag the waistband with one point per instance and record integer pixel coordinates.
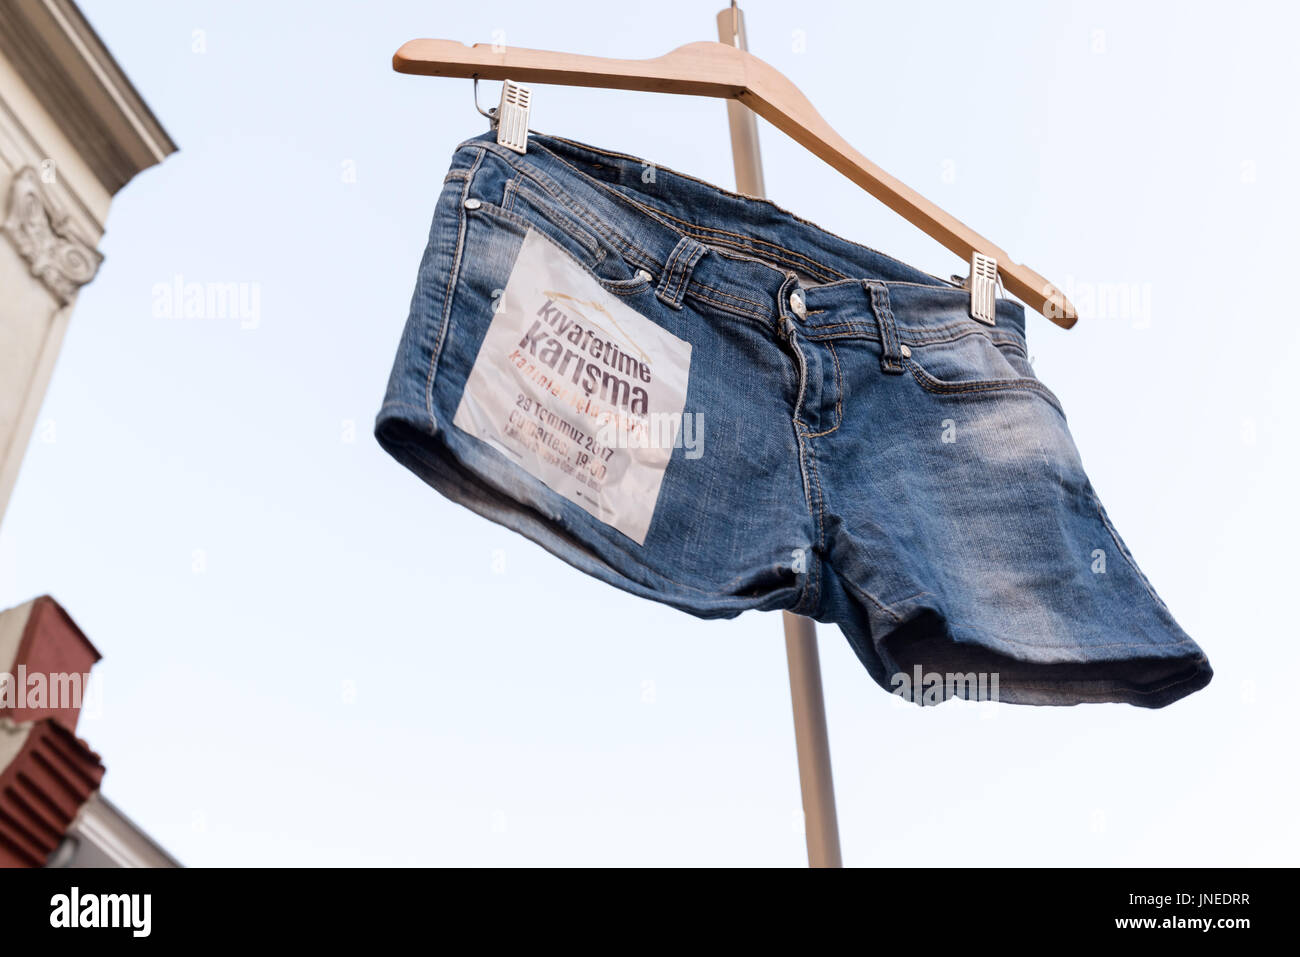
(741, 254)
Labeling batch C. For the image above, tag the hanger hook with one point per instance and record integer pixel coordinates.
(490, 114)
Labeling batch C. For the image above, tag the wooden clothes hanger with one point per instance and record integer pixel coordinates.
(725, 72)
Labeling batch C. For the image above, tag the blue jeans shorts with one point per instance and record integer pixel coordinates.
(704, 400)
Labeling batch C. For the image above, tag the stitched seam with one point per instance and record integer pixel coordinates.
(627, 247)
(574, 231)
(762, 312)
(890, 283)
(1133, 646)
(403, 405)
(738, 311)
(803, 473)
(1136, 646)
(638, 286)
(720, 590)
(750, 244)
(508, 194)
(679, 265)
(630, 251)
(669, 266)
(965, 326)
(1091, 695)
(615, 239)
(632, 286)
(962, 330)
(557, 192)
(684, 273)
(560, 195)
(522, 222)
(678, 281)
(553, 190)
(838, 394)
(812, 589)
(913, 338)
(839, 386)
(937, 284)
(853, 587)
(821, 500)
(803, 381)
(821, 532)
(511, 159)
(940, 283)
(890, 352)
(815, 332)
(939, 387)
(984, 632)
(688, 270)
(805, 594)
(1123, 550)
(747, 242)
(463, 229)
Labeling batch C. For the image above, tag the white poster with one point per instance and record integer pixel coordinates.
(579, 389)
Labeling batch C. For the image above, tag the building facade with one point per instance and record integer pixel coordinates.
(73, 132)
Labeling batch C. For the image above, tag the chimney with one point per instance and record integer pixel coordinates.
(45, 663)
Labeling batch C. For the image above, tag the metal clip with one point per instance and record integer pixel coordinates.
(983, 286)
(511, 118)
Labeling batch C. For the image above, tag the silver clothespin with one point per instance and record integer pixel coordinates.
(512, 116)
(983, 285)
(510, 119)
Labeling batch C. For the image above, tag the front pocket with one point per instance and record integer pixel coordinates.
(973, 364)
(606, 266)
(575, 242)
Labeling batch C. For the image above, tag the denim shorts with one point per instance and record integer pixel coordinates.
(705, 400)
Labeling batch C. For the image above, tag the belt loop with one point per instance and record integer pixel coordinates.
(677, 271)
(891, 354)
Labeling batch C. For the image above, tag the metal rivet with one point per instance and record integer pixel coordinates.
(472, 203)
(643, 274)
(907, 353)
(796, 303)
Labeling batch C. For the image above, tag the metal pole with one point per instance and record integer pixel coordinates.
(812, 743)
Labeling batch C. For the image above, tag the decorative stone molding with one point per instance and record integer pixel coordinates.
(102, 836)
(40, 234)
(57, 53)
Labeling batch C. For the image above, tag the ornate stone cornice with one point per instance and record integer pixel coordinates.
(40, 233)
(74, 77)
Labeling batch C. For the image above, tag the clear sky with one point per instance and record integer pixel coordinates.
(311, 658)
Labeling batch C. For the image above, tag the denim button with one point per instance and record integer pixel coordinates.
(797, 305)
(472, 203)
(643, 274)
(905, 351)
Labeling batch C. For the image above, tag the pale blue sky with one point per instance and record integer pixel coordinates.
(309, 658)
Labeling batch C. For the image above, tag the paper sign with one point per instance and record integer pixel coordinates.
(578, 389)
